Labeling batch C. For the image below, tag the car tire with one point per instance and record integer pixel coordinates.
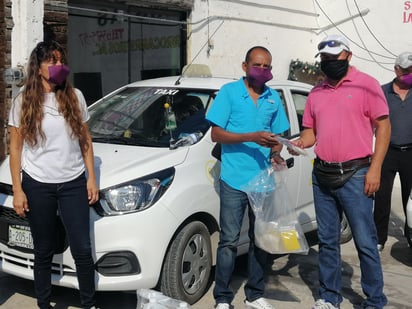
(188, 263)
(345, 231)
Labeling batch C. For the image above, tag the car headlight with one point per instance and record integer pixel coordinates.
(135, 195)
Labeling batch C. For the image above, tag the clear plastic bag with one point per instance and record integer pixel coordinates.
(148, 298)
(277, 229)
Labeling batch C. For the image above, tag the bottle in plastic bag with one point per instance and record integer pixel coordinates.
(191, 138)
(187, 139)
(170, 117)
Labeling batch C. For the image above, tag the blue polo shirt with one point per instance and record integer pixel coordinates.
(234, 111)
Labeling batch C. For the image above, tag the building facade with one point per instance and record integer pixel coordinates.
(114, 42)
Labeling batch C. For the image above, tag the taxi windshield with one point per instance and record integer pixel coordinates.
(148, 116)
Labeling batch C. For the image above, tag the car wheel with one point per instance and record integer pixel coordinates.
(188, 263)
(345, 231)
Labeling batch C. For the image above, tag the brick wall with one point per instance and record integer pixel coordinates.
(55, 21)
(5, 60)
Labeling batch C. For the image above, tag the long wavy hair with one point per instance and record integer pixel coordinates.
(33, 98)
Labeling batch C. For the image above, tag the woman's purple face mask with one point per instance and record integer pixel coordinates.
(58, 73)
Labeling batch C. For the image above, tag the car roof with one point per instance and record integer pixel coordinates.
(207, 82)
(184, 82)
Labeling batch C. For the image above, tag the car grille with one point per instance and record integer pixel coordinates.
(27, 263)
(9, 217)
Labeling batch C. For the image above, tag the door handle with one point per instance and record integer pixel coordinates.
(290, 162)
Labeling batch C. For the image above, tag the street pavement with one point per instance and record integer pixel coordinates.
(291, 280)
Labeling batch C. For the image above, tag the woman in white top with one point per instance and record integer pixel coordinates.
(52, 167)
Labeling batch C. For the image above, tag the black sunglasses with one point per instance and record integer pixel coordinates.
(332, 43)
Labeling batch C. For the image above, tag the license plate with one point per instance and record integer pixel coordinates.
(20, 236)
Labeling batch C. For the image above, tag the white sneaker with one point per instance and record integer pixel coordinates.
(223, 306)
(322, 304)
(259, 303)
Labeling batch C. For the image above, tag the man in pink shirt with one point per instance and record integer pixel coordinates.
(341, 116)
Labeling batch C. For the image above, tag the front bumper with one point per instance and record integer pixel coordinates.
(128, 251)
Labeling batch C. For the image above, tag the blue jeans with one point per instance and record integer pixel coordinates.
(358, 209)
(233, 204)
(70, 200)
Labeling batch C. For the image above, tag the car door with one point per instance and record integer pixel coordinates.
(299, 181)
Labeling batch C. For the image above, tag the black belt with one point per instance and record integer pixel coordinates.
(401, 147)
(345, 165)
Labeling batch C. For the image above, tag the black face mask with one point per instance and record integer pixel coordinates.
(335, 69)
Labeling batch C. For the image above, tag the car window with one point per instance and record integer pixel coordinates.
(138, 115)
(299, 99)
(282, 98)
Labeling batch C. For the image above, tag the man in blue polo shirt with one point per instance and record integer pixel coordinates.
(245, 116)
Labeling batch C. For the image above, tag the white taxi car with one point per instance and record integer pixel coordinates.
(408, 225)
(156, 224)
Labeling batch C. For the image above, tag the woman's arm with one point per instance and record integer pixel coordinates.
(88, 157)
(19, 197)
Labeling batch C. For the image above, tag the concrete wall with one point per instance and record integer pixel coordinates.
(222, 31)
(376, 38)
(27, 29)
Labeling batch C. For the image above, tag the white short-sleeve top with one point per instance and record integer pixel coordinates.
(58, 158)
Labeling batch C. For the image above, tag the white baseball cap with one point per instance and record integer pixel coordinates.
(404, 60)
(333, 44)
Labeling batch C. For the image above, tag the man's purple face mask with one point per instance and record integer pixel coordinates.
(258, 76)
(406, 79)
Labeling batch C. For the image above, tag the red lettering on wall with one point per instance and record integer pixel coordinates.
(407, 5)
(407, 18)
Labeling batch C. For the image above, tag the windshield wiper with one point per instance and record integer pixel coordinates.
(113, 139)
(127, 141)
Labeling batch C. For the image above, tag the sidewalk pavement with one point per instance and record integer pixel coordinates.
(292, 280)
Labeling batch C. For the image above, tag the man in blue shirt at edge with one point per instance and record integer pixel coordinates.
(245, 116)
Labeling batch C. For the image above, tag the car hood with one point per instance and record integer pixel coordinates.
(116, 164)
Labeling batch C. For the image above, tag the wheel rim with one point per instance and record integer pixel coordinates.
(195, 264)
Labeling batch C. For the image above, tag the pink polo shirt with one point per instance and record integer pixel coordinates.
(342, 117)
